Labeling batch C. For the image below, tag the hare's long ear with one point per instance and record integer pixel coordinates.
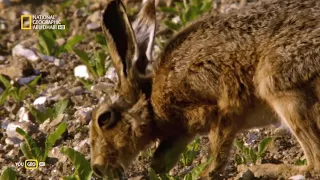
(121, 41)
(130, 55)
(144, 27)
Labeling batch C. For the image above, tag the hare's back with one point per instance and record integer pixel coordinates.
(220, 56)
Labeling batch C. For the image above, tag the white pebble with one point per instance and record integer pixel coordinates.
(297, 177)
(40, 100)
(81, 71)
(19, 50)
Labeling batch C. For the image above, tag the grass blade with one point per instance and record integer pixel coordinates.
(82, 166)
(52, 138)
(8, 174)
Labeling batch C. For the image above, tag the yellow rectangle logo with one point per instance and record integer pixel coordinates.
(25, 18)
(31, 164)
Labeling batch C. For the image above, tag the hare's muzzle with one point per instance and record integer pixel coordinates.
(107, 171)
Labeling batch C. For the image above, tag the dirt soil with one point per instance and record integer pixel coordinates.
(58, 81)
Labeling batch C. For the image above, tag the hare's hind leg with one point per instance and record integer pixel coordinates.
(299, 109)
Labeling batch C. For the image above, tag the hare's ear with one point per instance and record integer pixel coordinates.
(130, 55)
(144, 27)
(120, 38)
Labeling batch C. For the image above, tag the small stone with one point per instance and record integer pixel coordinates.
(136, 178)
(248, 175)
(78, 90)
(56, 153)
(19, 50)
(78, 13)
(11, 129)
(60, 41)
(95, 17)
(23, 115)
(47, 58)
(297, 177)
(25, 80)
(112, 74)
(58, 62)
(81, 71)
(40, 100)
(95, 6)
(2, 58)
(84, 115)
(93, 26)
(102, 86)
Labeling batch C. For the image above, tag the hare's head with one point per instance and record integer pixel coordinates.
(121, 125)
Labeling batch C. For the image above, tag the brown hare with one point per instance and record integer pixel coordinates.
(222, 74)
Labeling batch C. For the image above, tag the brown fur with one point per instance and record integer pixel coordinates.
(222, 74)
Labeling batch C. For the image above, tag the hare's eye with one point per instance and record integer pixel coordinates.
(109, 119)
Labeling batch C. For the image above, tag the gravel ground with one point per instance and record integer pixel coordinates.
(59, 82)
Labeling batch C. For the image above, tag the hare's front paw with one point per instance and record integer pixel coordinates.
(168, 152)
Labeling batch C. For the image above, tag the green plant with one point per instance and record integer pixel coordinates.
(32, 150)
(47, 42)
(194, 174)
(187, 11)
(96, 62)
(249, 154)
(49, 113)
(8, 174)
(190, 153)
(83, 169)
(186, 160)
(301, 162)
(18, 94)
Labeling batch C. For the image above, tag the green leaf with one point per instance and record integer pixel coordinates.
(179, 5)
(73, 41)
(239, 159)
(239, 145)
(152, 174)
(82, 55)
(60, 107)
(39, 115)
(188, 177)
(100, 61)
(172, 25)
(84, 58)
(100, 39)
(70, 178)
(34, 82)
(87, 83)
(26, 150)
(206, 7)
(22, 93)
(190, 15)
(169, 10)
(35, 150)
(8, 174)
(14, 93)
(4, 96)
(198, 170)
(263, 145)
(46, 41)
(253, 155)
(300, 162)
(52, 138)
(82, 166)
(5, 82)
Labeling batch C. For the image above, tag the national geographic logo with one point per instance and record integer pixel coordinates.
(40, 22)
(26, 18)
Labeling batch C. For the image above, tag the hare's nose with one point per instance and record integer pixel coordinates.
(98, 169)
